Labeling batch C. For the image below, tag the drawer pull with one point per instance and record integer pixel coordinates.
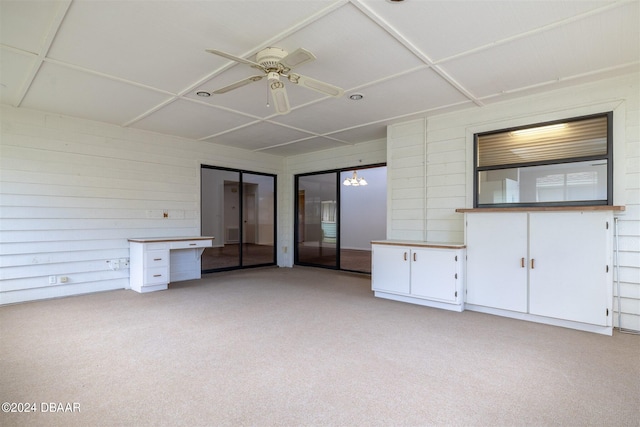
(157, 275)
(192, 244)
(157, 259)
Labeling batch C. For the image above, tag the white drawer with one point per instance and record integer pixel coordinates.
(156, 259)
(156, 275)
(156, 246)
(189, 244)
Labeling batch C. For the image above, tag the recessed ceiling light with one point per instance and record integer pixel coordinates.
(356, 96)
(395, 1)
(203, 94)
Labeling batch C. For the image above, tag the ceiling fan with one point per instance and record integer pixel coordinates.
(275, 62)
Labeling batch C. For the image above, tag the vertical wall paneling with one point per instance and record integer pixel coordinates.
(406, 195)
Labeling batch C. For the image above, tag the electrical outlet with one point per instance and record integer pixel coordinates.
(53, 280)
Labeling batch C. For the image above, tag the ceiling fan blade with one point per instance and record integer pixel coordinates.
(234, 58)
(297, 57)
(317, 85)
(237, 84)
(278, 94)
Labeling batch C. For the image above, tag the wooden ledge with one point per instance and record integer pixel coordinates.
(168, 239)
(419, 244)
(545, 209)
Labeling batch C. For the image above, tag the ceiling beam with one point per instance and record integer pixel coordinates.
(54, 27)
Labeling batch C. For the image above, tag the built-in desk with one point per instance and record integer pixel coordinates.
(155, 262)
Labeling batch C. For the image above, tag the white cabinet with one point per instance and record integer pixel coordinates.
(496, 260)
(149, 266)
(419, 273)
(570, 266)
(552, 267)
(156, 262)
(390, 269)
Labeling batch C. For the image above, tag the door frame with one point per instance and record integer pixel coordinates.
(298, 196)
(241, 197)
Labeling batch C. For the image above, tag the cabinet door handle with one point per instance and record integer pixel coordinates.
(532, 263)
(522, 262)
(405, 256)
(414, 256)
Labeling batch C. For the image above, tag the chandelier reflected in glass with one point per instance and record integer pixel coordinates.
(354, 181)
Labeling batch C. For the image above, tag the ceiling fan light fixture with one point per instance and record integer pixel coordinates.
(275, 62)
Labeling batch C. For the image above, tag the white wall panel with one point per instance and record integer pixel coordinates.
(406, 175)
(73, 191)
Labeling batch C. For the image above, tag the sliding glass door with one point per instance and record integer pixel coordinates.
(317, 225)
(335, 222)
(238, 208)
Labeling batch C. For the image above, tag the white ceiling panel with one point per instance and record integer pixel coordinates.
(191, 120)
(580, 47)
(140, 63)
(24, 24)
(590, 44)
(75, 93)
(14, 69)
(471, 24)
(170, 36)
(305, 146)
(362, 133)
(258, 136)
(350, 49)
(420, 90)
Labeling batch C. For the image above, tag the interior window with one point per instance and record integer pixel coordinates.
(558, 163)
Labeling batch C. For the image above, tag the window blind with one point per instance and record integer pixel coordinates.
(570, 140)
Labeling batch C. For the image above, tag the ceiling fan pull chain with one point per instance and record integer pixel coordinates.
(267, 96)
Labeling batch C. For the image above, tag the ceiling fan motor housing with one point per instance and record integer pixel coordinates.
(270, 57)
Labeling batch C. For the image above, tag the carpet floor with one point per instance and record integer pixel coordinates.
(302, 347)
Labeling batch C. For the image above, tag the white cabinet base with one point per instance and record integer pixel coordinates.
(150, 288)
(422, 273)
(420, 301)
(604, 330)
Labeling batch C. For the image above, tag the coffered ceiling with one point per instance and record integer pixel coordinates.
(139, 64)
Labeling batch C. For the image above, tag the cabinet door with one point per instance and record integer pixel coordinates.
(496, 272)
(433, 274)
(570, 252)
(390, 269)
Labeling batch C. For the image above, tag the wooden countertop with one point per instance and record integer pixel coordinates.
(421, 244)
(168, 239)
(545, 209)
